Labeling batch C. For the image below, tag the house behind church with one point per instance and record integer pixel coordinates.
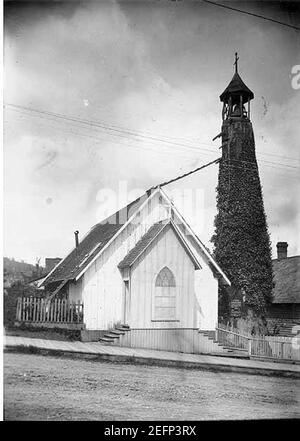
(284, 312)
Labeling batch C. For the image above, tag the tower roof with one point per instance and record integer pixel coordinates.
(237, 87)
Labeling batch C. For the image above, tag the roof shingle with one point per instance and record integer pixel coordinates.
(287, 280)
(142, 244)
(92, 243)
(145, 241)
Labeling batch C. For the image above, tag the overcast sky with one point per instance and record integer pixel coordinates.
(152, 68)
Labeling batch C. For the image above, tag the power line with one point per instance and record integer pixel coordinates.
(110, 125)
(271, 163)
(121, 132)
(187, 174)
(101, 125)
(148, 149)
(138, 133)
(162, 152)
(135, 133)
(113, 141)
(76, 120)
(280, 156)
(255, 168)
(105, 127)
(267, 163)
(139, 147)
(252, 14)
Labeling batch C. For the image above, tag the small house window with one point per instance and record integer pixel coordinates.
(165, 296)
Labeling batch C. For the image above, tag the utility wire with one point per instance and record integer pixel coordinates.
(113, 141)
(252, 14)
(47, 115)
(102, 126)
(139, 133)
(271, 163)
(163, 152)
(243, 167)
(186, 174)
(149, 149)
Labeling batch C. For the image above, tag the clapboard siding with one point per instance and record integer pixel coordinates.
(186, 340)
(103, 284)
(206, 286)
(165, 250)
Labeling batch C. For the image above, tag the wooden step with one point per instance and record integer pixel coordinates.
(219, 344)
(121, 328)
(107, 339)
(111, 335)
(117, 332)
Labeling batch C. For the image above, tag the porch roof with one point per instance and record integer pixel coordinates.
(148, 238)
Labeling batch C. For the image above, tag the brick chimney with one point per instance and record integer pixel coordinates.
(282, 250)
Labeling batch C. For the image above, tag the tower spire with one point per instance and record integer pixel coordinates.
(236, 62)
(235, 96)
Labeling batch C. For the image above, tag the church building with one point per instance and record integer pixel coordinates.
(143, 278)
(144, 273)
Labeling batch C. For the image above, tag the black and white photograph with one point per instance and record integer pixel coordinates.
(151, 213)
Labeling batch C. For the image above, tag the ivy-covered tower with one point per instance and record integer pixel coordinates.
(241, 240)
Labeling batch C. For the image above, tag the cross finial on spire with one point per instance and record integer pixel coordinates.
(236, 62)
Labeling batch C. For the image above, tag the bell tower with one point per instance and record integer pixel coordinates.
(241, 239)
(236, 96)
(237, 129)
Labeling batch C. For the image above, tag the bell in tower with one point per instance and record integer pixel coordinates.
(236, 96)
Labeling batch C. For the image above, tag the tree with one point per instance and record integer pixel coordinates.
(11, 294)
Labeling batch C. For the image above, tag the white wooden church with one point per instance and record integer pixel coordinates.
(144, 277)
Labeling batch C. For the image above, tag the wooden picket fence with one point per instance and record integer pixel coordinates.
(40, 310)
(285, 348)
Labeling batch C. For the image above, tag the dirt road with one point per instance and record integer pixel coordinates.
(50, 388)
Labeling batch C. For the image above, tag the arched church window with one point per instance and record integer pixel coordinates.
(165, 278)
(164, 302)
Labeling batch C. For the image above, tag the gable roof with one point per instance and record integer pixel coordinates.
(148, 238)
(287, 280)
(142, 244)
(92, 243)
(204, 249)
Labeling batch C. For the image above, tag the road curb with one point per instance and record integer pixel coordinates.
(151, 361)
